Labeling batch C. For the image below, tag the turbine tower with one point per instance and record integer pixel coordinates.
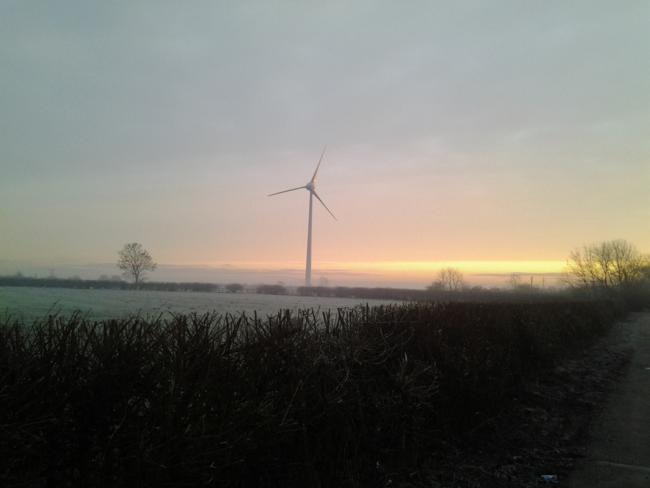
(311, 188)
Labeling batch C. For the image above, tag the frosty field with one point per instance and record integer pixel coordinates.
(29, 303)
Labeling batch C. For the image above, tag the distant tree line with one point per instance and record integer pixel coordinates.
(467, 294)
(272, 290)
(610, 269)
(108, 284)
(473, 294)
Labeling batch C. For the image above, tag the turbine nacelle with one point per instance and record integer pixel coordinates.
(311, 186)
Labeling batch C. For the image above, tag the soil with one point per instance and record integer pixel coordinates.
(619, 452)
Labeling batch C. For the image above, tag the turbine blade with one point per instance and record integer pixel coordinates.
(318, 165)
(285, 191)
(323, 203)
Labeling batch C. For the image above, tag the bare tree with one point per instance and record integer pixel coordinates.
(608, 264)
(449, 279)
(134, 261)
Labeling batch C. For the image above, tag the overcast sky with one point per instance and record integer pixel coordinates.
(456, 130)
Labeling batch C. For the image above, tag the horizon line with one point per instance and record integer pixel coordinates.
(473, 267)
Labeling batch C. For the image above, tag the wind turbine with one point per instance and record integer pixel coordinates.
(311, 188)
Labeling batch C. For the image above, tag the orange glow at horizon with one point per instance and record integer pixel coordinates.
(411, 268)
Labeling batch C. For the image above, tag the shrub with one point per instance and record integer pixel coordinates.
(304, 398)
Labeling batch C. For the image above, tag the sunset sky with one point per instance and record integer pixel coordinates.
(495, 136)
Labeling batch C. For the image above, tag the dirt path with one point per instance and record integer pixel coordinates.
(619, 454)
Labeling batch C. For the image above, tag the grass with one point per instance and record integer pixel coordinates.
(352, 398)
